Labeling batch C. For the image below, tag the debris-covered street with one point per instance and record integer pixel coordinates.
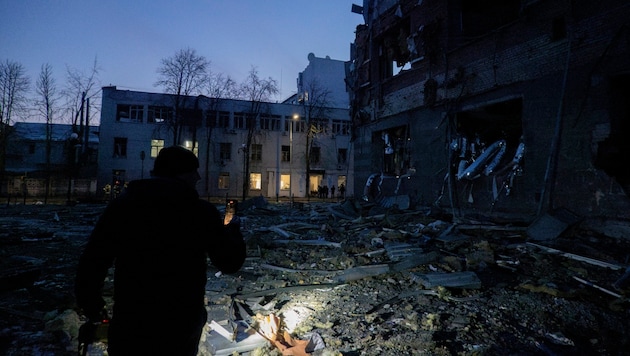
(352, 278)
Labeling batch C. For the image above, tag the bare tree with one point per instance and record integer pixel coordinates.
(81, 86)
(46, 103)
(221, 87)
(314, 99)
(258, 92)
(184, 74)
(218, 87)
(81, 89)
(14, 84)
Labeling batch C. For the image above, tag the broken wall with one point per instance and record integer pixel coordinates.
(561, 62)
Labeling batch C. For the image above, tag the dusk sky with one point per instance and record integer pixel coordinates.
(129, 38)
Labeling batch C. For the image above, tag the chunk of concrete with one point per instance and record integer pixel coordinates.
(551, 225)
(466, 280)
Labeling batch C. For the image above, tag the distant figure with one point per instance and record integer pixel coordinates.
(342, 190)
(158, 236)
(332, 192)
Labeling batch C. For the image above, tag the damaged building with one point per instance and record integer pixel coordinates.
(515, 107)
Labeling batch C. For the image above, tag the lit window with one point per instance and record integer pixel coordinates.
(255, 181)
(285, 182)
(189, 146)
(156, 146)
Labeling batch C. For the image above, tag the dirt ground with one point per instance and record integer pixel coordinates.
(354, 279)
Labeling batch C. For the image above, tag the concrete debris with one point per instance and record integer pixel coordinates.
(467, 280)
(355, 278)
(552, 224)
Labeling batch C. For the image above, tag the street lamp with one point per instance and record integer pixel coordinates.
(142, 156)
(295, 118)
(74, 145)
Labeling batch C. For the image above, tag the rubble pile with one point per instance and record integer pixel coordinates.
(351, 278)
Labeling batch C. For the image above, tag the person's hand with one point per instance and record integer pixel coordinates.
(236, 221)
(233, 228)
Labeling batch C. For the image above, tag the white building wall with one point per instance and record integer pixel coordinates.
(329, 74)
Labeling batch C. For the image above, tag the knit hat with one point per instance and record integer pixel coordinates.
(173, 161)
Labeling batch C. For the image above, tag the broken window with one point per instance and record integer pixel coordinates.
(224, 120)
(396, 152)
(120, 147)
(286, 153)
(315, 155)
(488, 141)
(225, 151)
(156, 147)
(159, 114)
(129, 113)
(256, 152)
(342, 156)
(394, 54)
(613, 146)
(476, 18)
(558, 29)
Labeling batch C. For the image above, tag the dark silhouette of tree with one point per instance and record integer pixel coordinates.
(46, 103)
(14, 84)
(185, 74)
(315, 101)
(81, 89)
(218, 87)
(258, 92)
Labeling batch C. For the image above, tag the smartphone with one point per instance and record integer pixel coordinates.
(230, 210)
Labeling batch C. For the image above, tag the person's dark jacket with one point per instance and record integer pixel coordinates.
(158, 235)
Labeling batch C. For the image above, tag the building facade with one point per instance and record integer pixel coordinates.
(515, 106)
(323, 74)
(135, 125)
(62, 157)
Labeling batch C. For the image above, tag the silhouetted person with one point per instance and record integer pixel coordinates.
(158, 236)
(332, 192)
(342, 190)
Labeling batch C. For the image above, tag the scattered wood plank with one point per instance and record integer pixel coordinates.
(576, 257)
(597, 287)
